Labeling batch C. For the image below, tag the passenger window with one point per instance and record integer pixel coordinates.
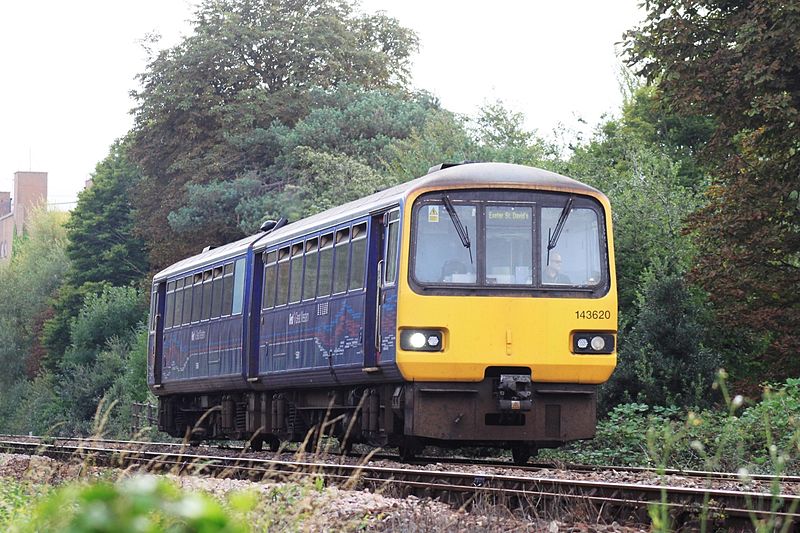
(187, 300)
(270, 278)
(392, 235)
(216, 302)
(178, 303)
(359, 251)
(238, 286)
(169, 308)
(227, 290)
(283, 277)
(342, 260)
(296, 275)
(206, 295)
(197, 297)
(325, 265)
(310, 272)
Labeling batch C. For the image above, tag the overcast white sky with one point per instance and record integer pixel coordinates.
(68, 67)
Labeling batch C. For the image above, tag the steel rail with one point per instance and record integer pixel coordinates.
(496, 463)
(740, 504)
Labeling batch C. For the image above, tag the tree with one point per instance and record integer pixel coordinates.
(27, 283)
(644, 164)
(738, 62)
(247, 64)
(102, 246)
(349, 125)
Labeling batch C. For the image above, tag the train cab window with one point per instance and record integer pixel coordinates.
(509, 245)
(238, 287)
(441, 256)
(325, 265)
(216, 293)
(359, 256)
(270, 279)
(392, 235)
(197, 297)
(178, 319)
(207, 291)
(575, 259)
(282, 285)
(187, 300)
(296, 273)
(341, 253)
(310, 271)
(169, 308)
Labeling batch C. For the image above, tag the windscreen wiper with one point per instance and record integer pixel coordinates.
(553, 235)
(462, 231)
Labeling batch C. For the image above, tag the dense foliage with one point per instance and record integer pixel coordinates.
(761, 437)
(738, 62)
(28, 281)
(208, 106)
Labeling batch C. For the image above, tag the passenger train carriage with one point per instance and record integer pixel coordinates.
(475, 305)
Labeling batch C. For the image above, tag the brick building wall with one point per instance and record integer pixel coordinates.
(30, 191)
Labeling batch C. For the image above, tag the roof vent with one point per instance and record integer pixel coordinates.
(208, 248)
(442, 166)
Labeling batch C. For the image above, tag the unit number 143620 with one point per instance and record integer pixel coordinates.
(593, 315)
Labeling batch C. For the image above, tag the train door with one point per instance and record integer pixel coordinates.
(375, 264)
(387, 294)
(381, 289)
(156, 335)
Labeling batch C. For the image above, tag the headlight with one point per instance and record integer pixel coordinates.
(421, 340)
(592, 342)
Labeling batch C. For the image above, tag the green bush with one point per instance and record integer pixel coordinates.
(113, 313)
(138, 504)
(762, 437)
(663, 360)
(15, 499)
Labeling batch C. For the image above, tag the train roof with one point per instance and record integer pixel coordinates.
(471, 175)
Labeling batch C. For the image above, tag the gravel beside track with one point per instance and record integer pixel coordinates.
(619, 492)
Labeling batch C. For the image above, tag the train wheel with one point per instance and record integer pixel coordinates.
(409, 450)
(256, 444)
(274, 443)
(521, 452)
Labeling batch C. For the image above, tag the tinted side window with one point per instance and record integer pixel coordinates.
(206, 295)
(197, 297)
(169, 308)
(187, 300)
(283, 277)
(270, 279)
(310, 272)
(216, 305)
(296, 274)
(358, 257)
(325, 265)
(238, 286)
(341, 254)
(393, 234)
(178, 303)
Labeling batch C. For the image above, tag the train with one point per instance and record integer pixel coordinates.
(473, 306)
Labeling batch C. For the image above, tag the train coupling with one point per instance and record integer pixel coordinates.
(514, 392)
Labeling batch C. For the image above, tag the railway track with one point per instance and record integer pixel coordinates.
(515, 489)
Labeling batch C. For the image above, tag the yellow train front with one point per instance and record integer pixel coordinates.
(507, 308)
(475, 305)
